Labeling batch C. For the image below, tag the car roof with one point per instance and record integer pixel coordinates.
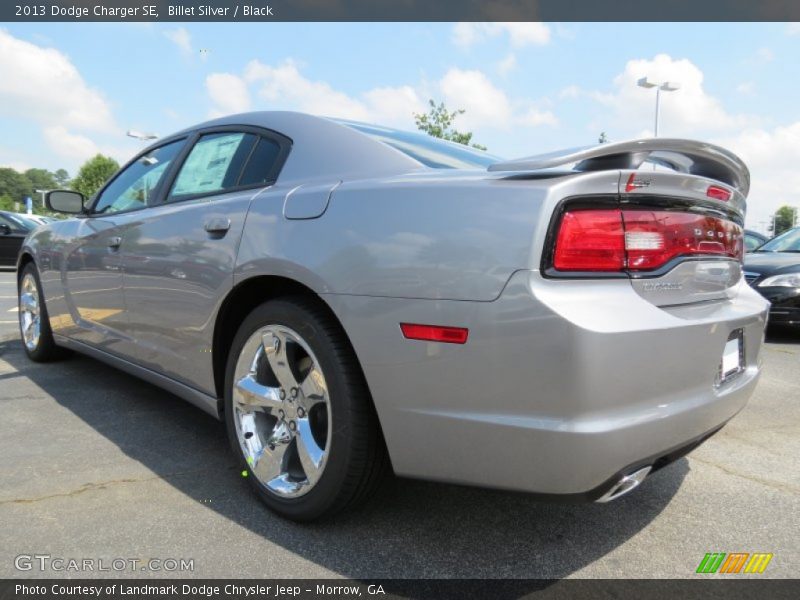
(322, 148)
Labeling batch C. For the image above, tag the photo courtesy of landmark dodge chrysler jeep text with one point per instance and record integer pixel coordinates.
(353, 299)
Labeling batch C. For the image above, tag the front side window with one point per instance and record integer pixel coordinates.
(215, 164)
(137, 185)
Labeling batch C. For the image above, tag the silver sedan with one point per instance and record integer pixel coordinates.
(353, 299)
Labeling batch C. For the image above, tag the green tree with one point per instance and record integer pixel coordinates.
(782, 220)
(438, 122)
(41, 179)
(62, 178)
(6, 203)
(93, 174)
(603, 139)
(14, 185)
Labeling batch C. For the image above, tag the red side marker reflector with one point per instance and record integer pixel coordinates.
(630, 185)
(718, 193)
(435, 333)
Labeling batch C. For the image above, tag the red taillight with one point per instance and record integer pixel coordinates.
(678, 234)
(718, 193)
(435, 333)
(590, 240)
(613, 240)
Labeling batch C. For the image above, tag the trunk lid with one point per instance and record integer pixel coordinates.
(694, 279)
(662, 177)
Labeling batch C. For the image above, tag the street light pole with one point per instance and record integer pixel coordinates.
(42, 192)
(658, 106)
(666, 86)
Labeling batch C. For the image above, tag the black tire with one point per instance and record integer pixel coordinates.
(46, 349)
(357, 459)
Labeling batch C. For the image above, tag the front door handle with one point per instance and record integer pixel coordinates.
(218, 225)
(114, 242)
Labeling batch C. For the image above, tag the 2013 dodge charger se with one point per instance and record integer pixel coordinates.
(351, 298)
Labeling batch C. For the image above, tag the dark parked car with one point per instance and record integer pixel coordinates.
(753, 239)
(13, 230)
(774, 270)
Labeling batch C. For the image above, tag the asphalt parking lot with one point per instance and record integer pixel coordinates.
(97, 464)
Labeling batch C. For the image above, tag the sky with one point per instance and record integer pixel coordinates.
(70, 90)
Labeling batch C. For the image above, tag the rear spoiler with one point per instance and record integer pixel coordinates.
(684, 156)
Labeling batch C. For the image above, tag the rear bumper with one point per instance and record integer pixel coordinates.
(562, 386)
(651, 463)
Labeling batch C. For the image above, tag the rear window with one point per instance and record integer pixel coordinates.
(430, 151)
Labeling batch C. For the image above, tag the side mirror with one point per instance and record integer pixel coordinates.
(4, 229)
(64, 201)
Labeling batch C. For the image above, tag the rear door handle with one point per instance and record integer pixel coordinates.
(218, 225)
(114, 242)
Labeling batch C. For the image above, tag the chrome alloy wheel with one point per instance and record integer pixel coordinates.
(29, 312)
(282, 412)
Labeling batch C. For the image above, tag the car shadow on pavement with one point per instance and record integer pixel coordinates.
(411, 530)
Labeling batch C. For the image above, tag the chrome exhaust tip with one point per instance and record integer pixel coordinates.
(627, 484)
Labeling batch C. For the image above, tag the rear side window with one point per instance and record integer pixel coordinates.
(214, 164)
(261, 165)
(226, 161)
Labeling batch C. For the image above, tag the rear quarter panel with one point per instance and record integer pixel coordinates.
(425, 236)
